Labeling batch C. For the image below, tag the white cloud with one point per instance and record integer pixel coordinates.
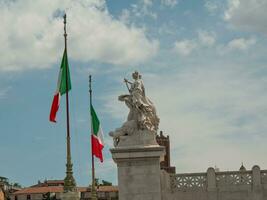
(4, 92)
(170, 3)
(206, 38)
(184, 47)
(31, 35)
(232, 6)
(148, 2)
(211, 6)
(237, 44)
(143, 9)
(241, 43)
(247, 15)
(125, 16)
(187, 46)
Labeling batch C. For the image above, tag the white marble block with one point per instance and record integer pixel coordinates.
(139, 172)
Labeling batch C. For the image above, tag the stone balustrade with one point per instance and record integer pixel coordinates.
(212, 179)
(263, 176)
(243, 185)
(189, 181)
(252, 181)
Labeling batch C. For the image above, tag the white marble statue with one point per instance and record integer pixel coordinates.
(142, 115)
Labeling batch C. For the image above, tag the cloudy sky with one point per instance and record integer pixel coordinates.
(203, 63)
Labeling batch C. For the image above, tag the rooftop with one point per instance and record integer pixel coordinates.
(58, 189)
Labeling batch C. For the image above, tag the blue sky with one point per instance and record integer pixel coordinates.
(203, 64)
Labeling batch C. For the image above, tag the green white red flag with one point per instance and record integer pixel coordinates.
(62, 86)
(97, 141)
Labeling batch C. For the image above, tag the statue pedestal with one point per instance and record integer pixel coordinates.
(70, 196)
(139, 138)
(138, 171)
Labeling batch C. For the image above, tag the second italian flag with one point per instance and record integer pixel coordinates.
(96, 135)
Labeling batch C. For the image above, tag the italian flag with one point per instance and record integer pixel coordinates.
(62, 88)
(96, 136)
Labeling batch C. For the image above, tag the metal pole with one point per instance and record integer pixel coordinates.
(93, 189)
(69, 182)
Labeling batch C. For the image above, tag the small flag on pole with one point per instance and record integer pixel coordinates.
(96, 136)
(61, 86)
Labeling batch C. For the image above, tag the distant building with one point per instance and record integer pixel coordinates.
(6, 188)
(103, 193)
(52, 189)
(4, 184)
(166, 164)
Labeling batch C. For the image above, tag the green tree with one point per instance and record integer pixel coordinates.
(106, 183)
(16, 185)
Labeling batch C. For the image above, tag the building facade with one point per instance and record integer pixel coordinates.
(103, 193)
(6, 188)
(52, 189)
(166, 163)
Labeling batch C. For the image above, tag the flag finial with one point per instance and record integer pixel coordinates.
(65, 18)
(65, 31)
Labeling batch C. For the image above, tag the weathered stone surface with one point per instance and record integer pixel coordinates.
(70, 196)
(140, 138)
(139, 171)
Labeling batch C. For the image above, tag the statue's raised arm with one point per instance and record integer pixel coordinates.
(142, 115)
(126, 82)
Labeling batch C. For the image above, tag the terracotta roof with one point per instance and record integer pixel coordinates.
(54, 181)
(58, 189)
(40, 190)
(49, 183)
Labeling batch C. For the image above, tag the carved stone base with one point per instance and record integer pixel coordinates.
(139, 138)
(138, 171)
(70, 196)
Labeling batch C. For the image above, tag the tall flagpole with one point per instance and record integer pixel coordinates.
(93, 190)
(69, 182)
